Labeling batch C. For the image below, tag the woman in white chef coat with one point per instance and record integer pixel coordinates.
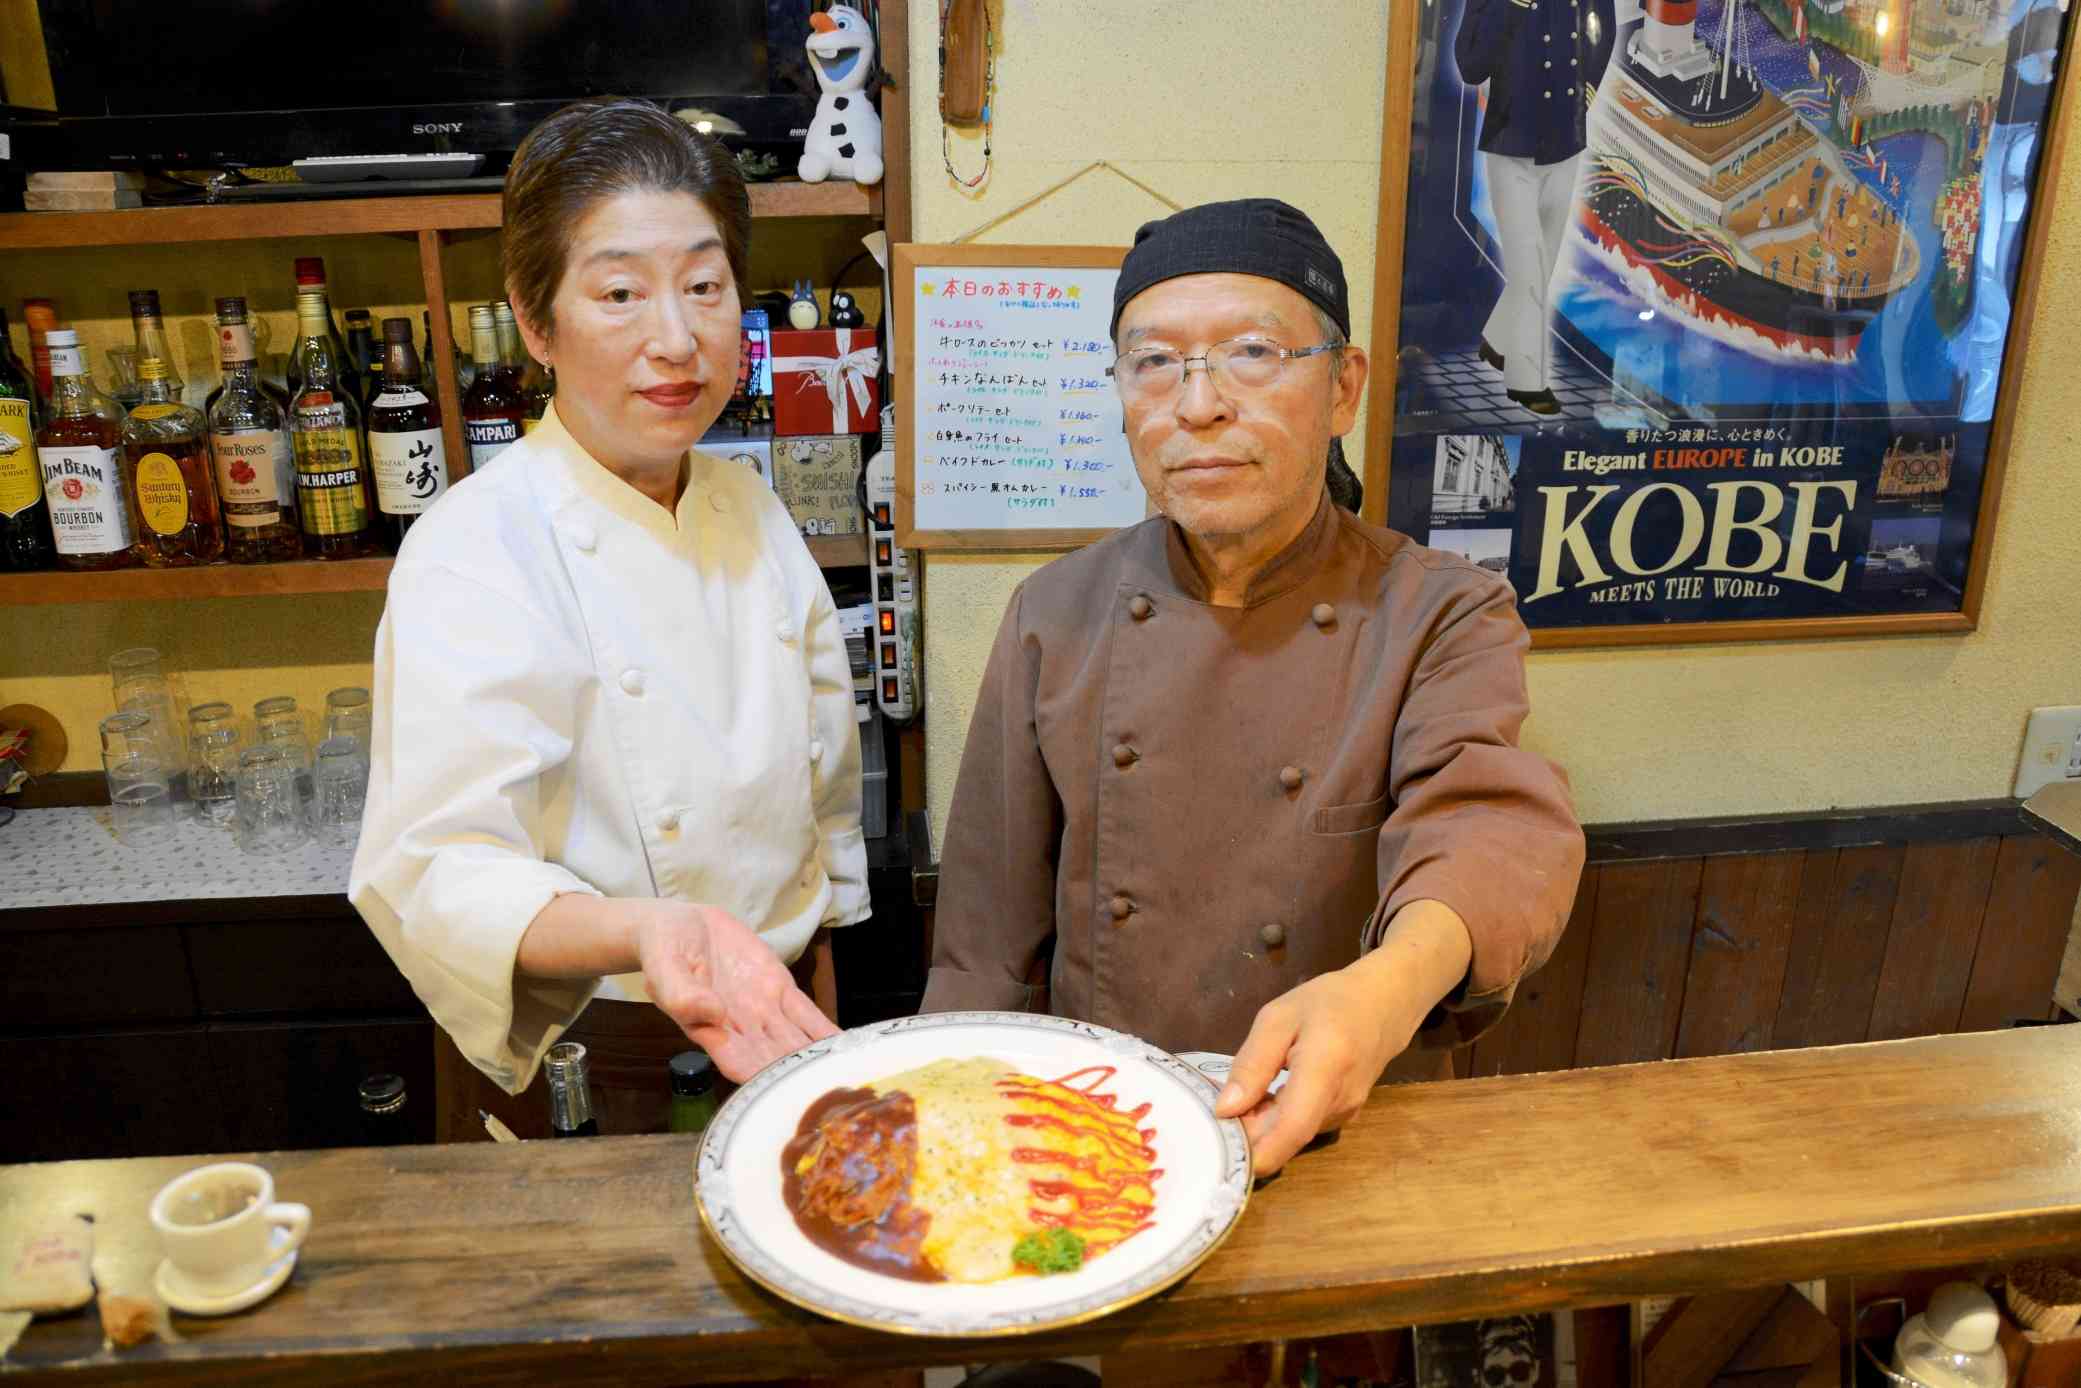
(614, 767)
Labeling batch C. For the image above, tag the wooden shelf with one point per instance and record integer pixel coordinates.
(145, 226)
(210, 581)
(271, 580)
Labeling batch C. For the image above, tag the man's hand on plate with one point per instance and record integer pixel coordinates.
(712, 974)
(1335, 1034)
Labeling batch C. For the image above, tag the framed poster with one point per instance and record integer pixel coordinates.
(1710, 312)
(1008, 430)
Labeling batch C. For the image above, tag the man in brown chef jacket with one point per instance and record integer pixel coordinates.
(1245, 777)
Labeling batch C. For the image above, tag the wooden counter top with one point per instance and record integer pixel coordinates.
(584, 1262)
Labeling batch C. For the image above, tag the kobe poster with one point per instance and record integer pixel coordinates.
(1704, 302)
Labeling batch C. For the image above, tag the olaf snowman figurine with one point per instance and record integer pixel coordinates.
(845, 139)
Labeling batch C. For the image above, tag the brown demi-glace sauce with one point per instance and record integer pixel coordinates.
(852, 1199)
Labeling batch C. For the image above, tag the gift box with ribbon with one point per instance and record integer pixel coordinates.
(825, 381)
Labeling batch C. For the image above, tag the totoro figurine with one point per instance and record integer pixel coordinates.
(802, 307)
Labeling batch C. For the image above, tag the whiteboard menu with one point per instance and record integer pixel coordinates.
(1009, 432)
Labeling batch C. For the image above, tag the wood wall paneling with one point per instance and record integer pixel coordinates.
(1936, 931)
(2030, 910)
(1640, 950)
(1846, 905)
(1538, 1032)
(1743, 936)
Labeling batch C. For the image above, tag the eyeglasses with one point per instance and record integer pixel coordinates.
(1241, 363)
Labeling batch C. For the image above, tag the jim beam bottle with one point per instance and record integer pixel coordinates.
(332, 477)
(570, 1092)
(494, 411)
(25, 519)
(405, 444)
(249, 441)
(78, 449)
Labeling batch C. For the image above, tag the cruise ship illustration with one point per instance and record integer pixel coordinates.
(1709, 193)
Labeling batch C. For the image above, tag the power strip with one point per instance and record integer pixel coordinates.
(898, 661)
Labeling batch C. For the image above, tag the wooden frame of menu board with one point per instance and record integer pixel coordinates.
(1421, 57)
(1005, 262)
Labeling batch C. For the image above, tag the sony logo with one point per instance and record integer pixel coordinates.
(437, 127)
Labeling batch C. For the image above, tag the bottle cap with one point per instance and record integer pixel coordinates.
(144, 303)
(63, 337)
(501, 310)
(397, 331)
(693, 1073)
(151, 369)
(232, 309)
(310, 269)
(357, 317)
(310, 306)
(1963, 1316)
(383, 1093)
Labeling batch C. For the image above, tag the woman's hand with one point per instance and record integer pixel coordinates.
(726, 988)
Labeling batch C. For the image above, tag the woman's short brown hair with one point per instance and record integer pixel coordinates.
(592, 150)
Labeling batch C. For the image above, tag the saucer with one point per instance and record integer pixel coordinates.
(176, 1291)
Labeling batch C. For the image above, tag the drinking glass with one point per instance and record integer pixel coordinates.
(140, 794)
(140, 683)
(269, 814)
(347, 714)
(341, 778)
(213, 748)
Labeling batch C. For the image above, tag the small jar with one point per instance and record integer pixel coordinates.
(1952, 1343)
(693, 1092)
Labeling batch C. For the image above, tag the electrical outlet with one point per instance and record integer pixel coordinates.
(2051, 748)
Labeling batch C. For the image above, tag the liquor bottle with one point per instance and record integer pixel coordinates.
(151, 336)
(383, 1121)
(82, 471)
(249, 442)
(39, 316)
(406, 450)
(25, 518)
(527, 376)
(364, 355)
(493, 411)
(693, 1092)
(570, 1093)
(310, 279)
(332, 482)
(465, 369)
(166, 464)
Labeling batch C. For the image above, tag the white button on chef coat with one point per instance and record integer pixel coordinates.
(500, 778)
(816, 749)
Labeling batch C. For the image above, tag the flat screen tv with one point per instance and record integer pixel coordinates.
(240, 83)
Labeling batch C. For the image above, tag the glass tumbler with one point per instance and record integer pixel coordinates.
(347, 714)
(341, 781)
(268, 815)
(140, 794)
(213, 747)
(140, 683)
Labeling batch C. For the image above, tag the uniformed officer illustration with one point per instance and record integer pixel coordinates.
(1542, 60)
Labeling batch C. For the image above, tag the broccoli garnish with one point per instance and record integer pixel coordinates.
(1050, 1250)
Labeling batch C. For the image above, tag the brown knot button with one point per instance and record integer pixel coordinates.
(1124, 755)
(1291, 777)
(1323, 615)
(1273, 935)
(1140, 606)
(1122, 907)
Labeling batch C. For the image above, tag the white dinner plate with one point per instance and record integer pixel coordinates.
(1205, 1183)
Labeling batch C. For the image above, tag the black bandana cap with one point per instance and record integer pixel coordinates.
(1250, 236)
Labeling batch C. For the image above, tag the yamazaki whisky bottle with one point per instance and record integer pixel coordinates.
(82, 469)
(406, 449)
(333, 494)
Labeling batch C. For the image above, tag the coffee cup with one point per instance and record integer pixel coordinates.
(218, 1225)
